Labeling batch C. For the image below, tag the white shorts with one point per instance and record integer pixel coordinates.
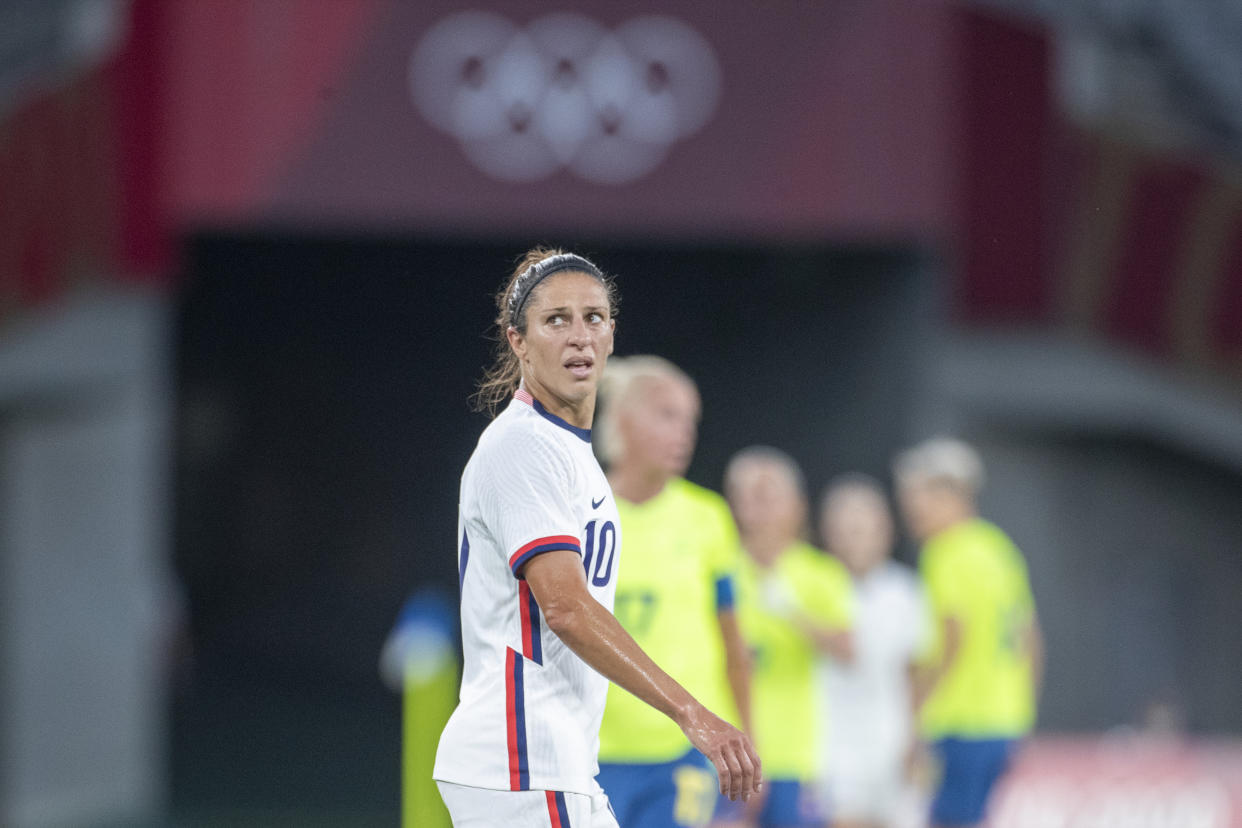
(884, 798)
(862, 796)
(484, 808)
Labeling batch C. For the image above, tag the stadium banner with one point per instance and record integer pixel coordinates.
(1122, 781)
(773, 120)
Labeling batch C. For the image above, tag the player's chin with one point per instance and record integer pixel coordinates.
(580, 388)
(677, 463)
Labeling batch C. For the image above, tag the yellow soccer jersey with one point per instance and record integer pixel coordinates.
(806, 582)
(681, 556)
(973, 572)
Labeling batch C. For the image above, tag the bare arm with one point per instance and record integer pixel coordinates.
(914, 681)
(837, 643)
(914, 742)
(557, 580)
(737, 664)
(927, 679)
(779, 599)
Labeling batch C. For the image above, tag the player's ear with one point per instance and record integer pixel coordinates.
(516, 341)
(612, 339)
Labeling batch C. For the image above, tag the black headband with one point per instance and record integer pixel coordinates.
(542, 269)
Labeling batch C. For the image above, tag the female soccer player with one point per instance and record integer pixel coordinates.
(675, 595)
(539, 554)
(868, 746)
(794, 602)
(986, 660)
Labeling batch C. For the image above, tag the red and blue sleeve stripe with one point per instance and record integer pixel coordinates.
(528, 609)
(540, 545)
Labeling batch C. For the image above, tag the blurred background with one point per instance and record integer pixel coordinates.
(247, 252)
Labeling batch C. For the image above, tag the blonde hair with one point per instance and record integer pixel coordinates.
(617, 389)
(784, 463)
(766, 455)
(943, 460)
(849, 483)
(505, 373)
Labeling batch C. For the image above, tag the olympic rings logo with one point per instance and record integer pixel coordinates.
(564, 92)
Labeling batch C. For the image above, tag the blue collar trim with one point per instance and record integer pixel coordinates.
(583, 434)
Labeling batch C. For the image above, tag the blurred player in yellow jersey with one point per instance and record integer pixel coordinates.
(675, 594)
(794, 604)
(980, 685)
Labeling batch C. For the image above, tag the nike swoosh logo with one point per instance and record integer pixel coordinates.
(595, 504)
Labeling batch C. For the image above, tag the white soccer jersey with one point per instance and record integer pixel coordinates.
(529, 710)
(868, 699)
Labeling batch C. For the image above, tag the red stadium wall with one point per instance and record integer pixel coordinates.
(930, 123)
(1082, 231)
(1150, 253)
(79, 175)
(249, 86)
(1006, 124)
(59, 194)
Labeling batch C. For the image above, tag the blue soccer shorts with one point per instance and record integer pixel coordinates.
(969, 771)
(677, 794)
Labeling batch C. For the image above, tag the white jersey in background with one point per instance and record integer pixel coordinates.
(868, 701)
(529, 711)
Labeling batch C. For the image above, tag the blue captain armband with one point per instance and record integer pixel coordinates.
(724, 593)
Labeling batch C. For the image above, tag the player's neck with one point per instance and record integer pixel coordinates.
(766, 547)
(578, 413)
(860, 573)
(950, 518)
(635, 484)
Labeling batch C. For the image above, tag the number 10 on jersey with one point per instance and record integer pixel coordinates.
(601, 546)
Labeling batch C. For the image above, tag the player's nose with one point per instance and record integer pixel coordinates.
(579, 333)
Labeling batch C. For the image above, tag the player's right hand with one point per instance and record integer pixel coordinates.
(729, 749)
